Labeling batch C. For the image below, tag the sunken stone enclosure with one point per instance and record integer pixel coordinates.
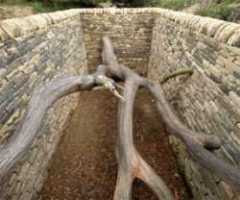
(152, 41)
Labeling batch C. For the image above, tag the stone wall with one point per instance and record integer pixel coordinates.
(130, 30)
(209, 100)
(33, 51)
(36, 49)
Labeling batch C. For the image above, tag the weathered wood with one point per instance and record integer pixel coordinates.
(198, 144)
(131, 164)
(41, 100)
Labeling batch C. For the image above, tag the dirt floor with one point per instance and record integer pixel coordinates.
(84, 165)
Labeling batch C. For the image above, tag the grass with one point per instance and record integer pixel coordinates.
(14, 2)
(40, 7)
(169, 4)
(175, 4)
(216, 11)
(222, 10)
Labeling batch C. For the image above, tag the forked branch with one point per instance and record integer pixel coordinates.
(131, 164)
(41, 100)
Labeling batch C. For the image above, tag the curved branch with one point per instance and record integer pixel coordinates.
(197, 144)
(174, 125)
(125, 150)
(40, 102)
(175, 74)
(123, 190)
(149, 176)
(194, 143)
(131, 164)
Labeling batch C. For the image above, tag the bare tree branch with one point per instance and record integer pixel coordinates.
(197, 144)
(41, 100)
(131, 164)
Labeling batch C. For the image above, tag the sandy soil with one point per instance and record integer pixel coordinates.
(84, 166)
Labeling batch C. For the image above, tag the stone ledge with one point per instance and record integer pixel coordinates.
(226, 32)
(220, 30)
(16, 27)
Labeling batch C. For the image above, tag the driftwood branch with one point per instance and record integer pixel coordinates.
(131, 163)
(198, 144)
(41, 100)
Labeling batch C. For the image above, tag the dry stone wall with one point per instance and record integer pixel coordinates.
(33, 51)
(154, 42)
(131, 31)
(209, 100)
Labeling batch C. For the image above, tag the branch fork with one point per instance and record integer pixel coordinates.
(131, 165)
(109, 84)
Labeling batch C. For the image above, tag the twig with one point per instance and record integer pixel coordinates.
(175, 74)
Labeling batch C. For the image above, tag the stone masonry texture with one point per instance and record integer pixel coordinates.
(53, 47)
(152, 41)
(131, 35)
(209, 100)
